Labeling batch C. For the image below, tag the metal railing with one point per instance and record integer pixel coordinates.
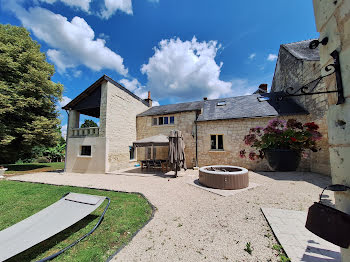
(86, 131)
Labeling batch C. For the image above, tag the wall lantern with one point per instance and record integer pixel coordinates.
(309, 88)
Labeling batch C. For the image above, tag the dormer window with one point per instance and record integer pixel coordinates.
(221, 103)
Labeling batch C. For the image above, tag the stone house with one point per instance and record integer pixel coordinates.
(213, 130)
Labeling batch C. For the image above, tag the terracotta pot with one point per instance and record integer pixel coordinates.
(282, 159)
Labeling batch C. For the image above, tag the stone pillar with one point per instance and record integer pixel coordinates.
(73, 121)
(333, 21)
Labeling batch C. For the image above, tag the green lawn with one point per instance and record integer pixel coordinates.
(126, 214)
(17, 169)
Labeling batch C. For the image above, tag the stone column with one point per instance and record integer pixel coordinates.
(73, 121)
(333, 21)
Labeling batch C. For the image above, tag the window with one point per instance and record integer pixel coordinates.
(216, 142)
(163, 120)
(85, 151)
(221, 103)
(132, 152)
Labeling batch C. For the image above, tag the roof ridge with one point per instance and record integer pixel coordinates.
(300, 41)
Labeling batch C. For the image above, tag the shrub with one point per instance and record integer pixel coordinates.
(281, 134)
(42, 160)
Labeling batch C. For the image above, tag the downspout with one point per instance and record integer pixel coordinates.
(65, 156)
(196, 130)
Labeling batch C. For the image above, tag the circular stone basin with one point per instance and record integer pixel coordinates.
(224, 177)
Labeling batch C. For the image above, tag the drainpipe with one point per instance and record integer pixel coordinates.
(196, 129)
(65, 156)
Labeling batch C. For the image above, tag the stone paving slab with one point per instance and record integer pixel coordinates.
(298, 242)
(220, 192)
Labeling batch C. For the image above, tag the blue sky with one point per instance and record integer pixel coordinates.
(180, 50)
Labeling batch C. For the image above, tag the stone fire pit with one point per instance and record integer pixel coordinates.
(224, 177)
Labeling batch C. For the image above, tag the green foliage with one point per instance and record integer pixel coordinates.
(281, 254)
(248, 248)
(28, 115)
(56, 153)
(89, 123)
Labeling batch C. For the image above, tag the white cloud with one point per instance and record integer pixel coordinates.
(271, 57)
(65, 100)
(185, 70)
(135, 87)
(77, 73)
(112, 6)
(155, 103)
(252, 56)
(81, 4)
(72, 42)
(64, 131)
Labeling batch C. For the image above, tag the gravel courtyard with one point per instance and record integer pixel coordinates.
(191, 224)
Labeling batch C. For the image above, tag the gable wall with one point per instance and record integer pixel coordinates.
(291, 72)
(118, 114)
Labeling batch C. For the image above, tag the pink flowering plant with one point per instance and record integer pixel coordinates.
(281, 134)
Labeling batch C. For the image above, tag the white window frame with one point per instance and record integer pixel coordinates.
(163, 117)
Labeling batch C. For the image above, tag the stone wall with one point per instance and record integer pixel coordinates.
(183, 121)
(293, 72)
(333, 20)
(233, 132)
(120, 125)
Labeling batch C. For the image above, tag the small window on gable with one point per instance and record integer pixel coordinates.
(172, 120)
(160, 121)
(221, 103)
(85, 151)
(154, 121)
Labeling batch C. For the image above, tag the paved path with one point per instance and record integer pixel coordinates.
(298, 242)
(192, 224)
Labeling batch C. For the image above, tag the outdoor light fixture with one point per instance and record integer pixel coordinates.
(330, 69)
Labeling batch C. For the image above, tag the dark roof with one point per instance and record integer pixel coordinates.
(90, 90)
(173, 108)
(249, 107)
(301, 50)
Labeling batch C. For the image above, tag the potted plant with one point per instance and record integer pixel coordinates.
(2, 171)
(282, 143)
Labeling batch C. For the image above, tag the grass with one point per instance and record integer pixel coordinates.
(18, 169)
(126, 214)
(281, 254)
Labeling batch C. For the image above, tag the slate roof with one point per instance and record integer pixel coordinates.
(301, 50)
(249, 107)
(173, 108)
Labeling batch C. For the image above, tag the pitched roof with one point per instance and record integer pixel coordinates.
(173, 108)
(301, 50)
(249, 107)
(96, 85)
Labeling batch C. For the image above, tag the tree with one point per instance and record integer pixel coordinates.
(88, 123)
(28, 97)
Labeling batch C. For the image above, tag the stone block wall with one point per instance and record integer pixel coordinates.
(185, 122)
(333, 20)
(119, 118)
(293, 72)
(233, 132)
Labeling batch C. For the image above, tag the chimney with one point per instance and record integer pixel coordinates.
(149, 100)
(205, 98)
(262, 88)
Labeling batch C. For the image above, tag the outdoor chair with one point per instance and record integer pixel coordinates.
(70, 209)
